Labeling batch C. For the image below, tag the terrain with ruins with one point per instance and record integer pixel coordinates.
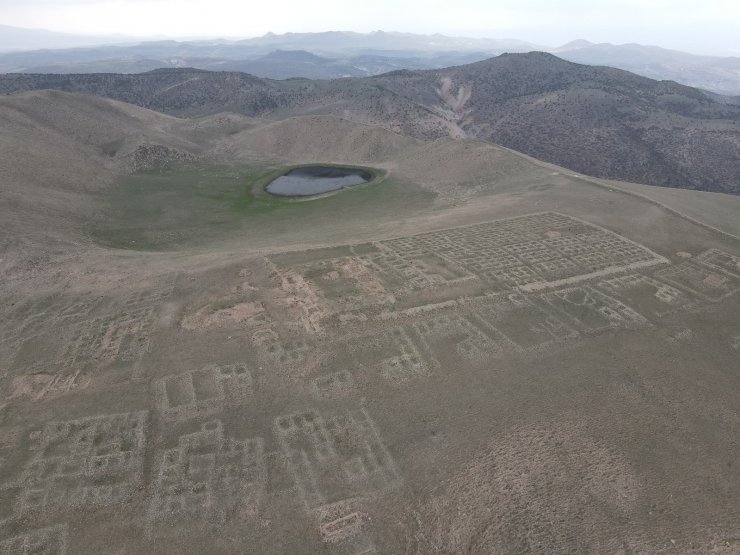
(476, 352)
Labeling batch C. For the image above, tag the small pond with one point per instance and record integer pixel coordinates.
(315, 180)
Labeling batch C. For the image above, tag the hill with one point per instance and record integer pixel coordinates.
(601, 121)
(284, 64)
(596, 120)
(475, 352)
(57, 150)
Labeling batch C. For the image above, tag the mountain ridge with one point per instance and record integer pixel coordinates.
(599, 121)
(364, 54)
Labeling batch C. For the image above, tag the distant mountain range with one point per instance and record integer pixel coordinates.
(718, 74)
(307, 55)
(19, 39)
(597, 120)
(342, 54)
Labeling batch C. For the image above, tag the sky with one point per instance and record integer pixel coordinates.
(701, 26)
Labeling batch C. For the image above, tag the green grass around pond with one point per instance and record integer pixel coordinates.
(193, 206)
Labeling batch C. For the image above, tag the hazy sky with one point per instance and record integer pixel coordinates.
(693, 25)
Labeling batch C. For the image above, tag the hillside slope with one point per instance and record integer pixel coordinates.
(58, 149)
(599, 121)
(596, 120)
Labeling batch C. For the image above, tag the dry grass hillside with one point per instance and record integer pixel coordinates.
(310, 138)
(476, 351)
(57, 148)
(60, 149)
(601, 121)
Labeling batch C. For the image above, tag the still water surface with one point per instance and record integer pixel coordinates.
(314, 180)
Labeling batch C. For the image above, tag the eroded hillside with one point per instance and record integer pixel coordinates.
(600, 121)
